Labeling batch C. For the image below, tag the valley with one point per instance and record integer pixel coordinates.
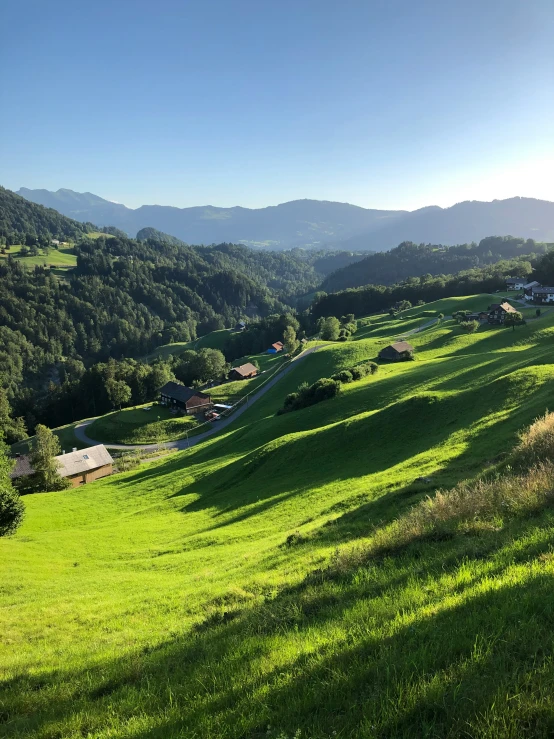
(225, 590)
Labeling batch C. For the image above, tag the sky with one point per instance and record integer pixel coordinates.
(393, 104)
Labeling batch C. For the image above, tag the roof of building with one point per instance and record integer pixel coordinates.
(245, 369)
(241, 323)
(22, 467)
(506, 307)
(515, 279)
(278, 345)
(400, 346)
(68, 464)
(543, 289)
(83, 460)
(531, 284)
(182, 393)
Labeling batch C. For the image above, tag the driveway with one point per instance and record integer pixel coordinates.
(80, 428)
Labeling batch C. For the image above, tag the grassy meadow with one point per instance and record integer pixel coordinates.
(235, 590)
(62, 258)
(141, 426)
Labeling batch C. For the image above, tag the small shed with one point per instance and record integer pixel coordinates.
(277, 347)
(175, 395)
(241, 326)
(397, 351)
(244, 372)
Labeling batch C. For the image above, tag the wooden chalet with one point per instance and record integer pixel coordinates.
(244, 372)
(498, 312)
(397, 351)
(175, 395)
(79, 466)
(277, 347)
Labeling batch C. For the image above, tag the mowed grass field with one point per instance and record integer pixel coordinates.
(193, 597)
(147, 424)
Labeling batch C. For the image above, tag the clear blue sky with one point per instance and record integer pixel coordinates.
(394, 104)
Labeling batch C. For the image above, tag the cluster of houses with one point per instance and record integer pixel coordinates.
(533, 292)
(78, 466)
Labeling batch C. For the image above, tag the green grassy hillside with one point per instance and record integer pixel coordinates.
(225, 592)
(62, 258)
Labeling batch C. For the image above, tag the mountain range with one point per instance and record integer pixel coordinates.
(313, 223)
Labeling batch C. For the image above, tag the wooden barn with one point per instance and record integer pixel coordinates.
(244, 372)
(397, 351)
(175, 395)
(79, 466)
(277, 347)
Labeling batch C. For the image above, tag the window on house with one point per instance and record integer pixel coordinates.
(85, 456)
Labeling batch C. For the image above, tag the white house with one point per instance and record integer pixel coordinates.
(515, 283)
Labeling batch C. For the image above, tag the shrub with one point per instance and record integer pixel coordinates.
(12, 510)
(291, 400)
(324, 389)
(344, 376)
(306, 395)
(469, 326)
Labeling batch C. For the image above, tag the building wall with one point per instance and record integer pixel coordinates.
(544, 298)
(197, 405)
(84, 477)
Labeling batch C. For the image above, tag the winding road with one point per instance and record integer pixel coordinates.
(80, 428)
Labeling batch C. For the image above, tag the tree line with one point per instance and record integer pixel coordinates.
(411, 260)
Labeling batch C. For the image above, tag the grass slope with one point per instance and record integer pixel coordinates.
(165, 602)
(63, 258)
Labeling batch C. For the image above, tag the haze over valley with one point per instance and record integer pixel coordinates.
(312, 223)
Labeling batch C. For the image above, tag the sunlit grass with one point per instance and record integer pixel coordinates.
(167, 602)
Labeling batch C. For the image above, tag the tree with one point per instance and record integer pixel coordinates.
(13, 429)
(46, 446)
(289, 340)
(329, 328)
(12, 509)
(118, 392)
(513, 319)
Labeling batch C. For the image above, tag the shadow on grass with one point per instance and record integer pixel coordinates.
(400, 657)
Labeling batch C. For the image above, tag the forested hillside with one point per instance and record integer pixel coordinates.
(20, 218)
(371, 298)
(123, 298)
(415, 260)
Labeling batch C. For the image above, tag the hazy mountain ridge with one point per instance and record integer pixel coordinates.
(311, 223)
(284, 226)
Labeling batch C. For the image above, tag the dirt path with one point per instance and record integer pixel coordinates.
(80, 428)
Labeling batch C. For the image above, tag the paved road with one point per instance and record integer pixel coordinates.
(81, 434)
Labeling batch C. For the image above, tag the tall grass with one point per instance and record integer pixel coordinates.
(473, 503)
(536, 443)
